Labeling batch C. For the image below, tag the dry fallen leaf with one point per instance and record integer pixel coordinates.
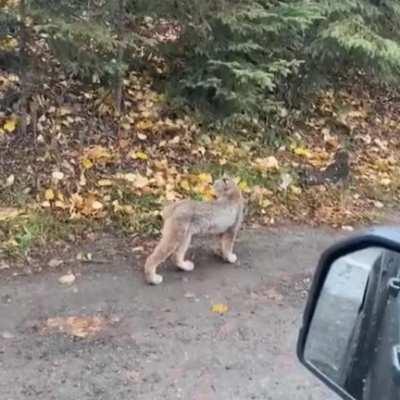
(139, 181)
(347, 228)
(144, 125)
(219, 308)
(60, 204)
(96, 205)
(175, 140)
(10, 125)
(386, 181)
(266, 164)
(87, 206)
(273, 294)
(57, 176)
(286, 181)
(302, 151)
(54, 263)
(205, 178)
(64, 111)
(79, 326)
(7, 335)
(185, 185)
(67, 279)
(295, 189)
(4, 265)
(84, 256)
(49, 195)
(104, 182)
(86, 163)
(244, 187)
(98, 153)
(378, 204)
(9, 213)
(138, 155)
(10, 180)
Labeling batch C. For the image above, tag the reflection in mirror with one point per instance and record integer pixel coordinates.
(355, 327)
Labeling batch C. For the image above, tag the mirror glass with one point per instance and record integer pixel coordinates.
(354, 334)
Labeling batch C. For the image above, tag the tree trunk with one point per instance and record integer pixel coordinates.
(23, 69)
(34, 109)
(120, 56)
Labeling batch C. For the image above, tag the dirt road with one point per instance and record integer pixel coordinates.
(165, 342)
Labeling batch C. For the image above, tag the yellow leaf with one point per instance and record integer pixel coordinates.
(49, 194)
(264, 203)
(219, 308)
(205, 178)
(9, 213)
(302, 151)
(184, 184)
(87, 164)
(98, 153)
(208, 194)
(244, 187)
(295, 189)
(138, 155)
(64, 111)
(10, 125)
(144, 124)
(104, 182)
(267, 164)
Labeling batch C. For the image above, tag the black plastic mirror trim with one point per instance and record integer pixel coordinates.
(386, 237)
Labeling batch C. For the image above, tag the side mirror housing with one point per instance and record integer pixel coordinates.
(350, 336)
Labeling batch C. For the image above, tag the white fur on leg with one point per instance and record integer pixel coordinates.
(231, 257)
(186, 265)
(155, 279)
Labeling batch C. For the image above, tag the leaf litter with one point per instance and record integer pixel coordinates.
(125, 179)
(77, 326)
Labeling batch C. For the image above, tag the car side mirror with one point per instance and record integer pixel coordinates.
(350, 338)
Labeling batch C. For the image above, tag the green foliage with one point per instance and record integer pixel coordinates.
(8, 24)
(85, 44)
(243, 58)
(235, 59)
(351, 38)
